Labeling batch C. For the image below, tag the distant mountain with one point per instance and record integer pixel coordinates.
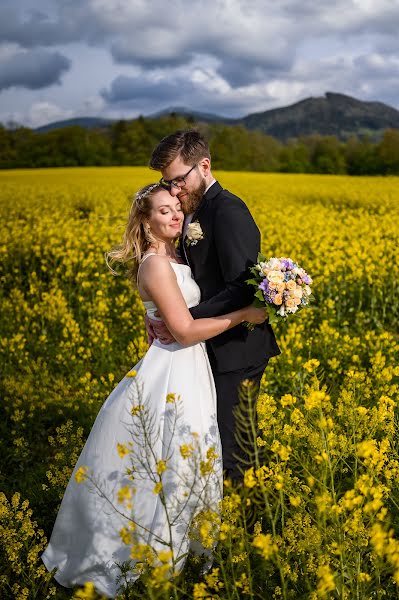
(86, 122)
(195, 114)
(100, 123)
(334, 114)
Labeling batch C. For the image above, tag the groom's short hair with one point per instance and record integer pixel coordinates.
(189, 144)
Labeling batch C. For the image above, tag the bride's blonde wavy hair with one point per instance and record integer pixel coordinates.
(137, 237)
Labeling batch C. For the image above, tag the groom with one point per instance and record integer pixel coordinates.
(220, 241)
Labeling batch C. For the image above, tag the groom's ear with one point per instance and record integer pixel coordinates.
(205, 166)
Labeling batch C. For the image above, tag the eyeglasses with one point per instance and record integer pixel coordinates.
(178, 182)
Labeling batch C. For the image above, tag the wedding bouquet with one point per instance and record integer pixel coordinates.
(281, 285)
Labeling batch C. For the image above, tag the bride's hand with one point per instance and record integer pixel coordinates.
(256, 315)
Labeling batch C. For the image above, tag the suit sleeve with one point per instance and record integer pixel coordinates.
(237, 241)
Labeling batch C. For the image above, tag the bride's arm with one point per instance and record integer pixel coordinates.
(158, 280)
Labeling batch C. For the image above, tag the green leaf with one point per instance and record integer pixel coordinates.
(261, 258)
(260, 296)
(273, 318)
(259, 303)
(252, 282)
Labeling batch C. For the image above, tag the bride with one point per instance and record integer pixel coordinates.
(151, 465)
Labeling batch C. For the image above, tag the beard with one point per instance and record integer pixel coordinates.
(193, 199)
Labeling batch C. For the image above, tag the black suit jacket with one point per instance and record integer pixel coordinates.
(220, 263)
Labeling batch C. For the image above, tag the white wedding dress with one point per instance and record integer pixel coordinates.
(167, 412)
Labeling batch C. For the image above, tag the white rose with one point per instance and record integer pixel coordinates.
(274, 264)
(194, 233)
(275, 276)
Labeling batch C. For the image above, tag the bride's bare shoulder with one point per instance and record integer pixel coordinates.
(155, 265)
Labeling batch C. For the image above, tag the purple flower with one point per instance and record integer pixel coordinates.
(306, 279)
(287, 264)
(267, 292)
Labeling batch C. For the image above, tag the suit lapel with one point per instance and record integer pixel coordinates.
(213, 191)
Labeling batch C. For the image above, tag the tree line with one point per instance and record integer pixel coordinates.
(232, 147)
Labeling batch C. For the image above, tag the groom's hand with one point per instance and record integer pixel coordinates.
(150, 331)
(157, 330)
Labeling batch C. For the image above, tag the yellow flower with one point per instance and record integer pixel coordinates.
(211, 453)
(124, 494)
(186, 450)
(295, 500)
(206, 467)
(212, 580)
(316, 399)
(131, 373)
(161, 466)
(311, 365)
(264, 543)
(249, 478)
(122, 450)
(326, 580)
(282, 451)
(143, 553)
(125, 535)
(200, 591)
(87, 593)
(81, 474)
(157, 488)
(165, 556)
(287, 400)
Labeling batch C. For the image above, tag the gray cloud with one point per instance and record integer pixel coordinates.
(150, 58)
(251, 40)
(131, 91)
(210, 93)
(33, 70)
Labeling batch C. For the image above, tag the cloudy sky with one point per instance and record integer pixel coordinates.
(122, 58)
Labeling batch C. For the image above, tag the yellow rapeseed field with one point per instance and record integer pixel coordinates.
(318, 514)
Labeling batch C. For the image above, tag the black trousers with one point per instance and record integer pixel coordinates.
(228, 397)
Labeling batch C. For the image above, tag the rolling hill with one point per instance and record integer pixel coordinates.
(333, 114)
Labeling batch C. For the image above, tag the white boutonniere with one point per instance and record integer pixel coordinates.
(194, 233)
